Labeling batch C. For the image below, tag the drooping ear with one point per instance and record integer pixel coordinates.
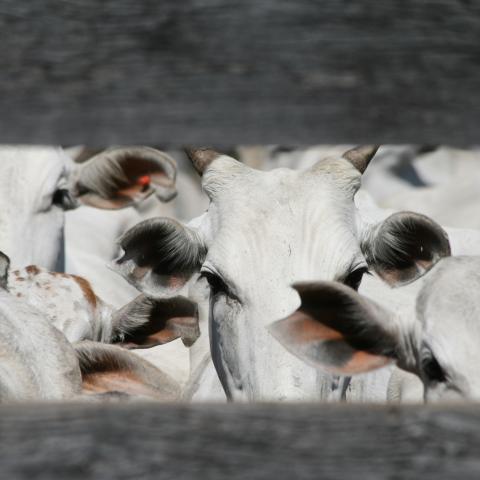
(360, 157)
(404, 247)
(146, 322)
(159, 256)
(119, 177)
(4, 270)
(108, 369)
(339, 331)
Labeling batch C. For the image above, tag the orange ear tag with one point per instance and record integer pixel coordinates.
(144, 182)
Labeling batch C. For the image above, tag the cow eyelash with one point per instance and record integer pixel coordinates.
(217, 284)
(432, 369)
(354, 278)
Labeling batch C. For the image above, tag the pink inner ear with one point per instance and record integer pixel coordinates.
(301, 328)
(117, 381)
(362, 362)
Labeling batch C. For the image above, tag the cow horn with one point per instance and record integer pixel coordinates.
(201, 157)
(360, 157)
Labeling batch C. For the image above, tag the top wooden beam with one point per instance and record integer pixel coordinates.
(225, 72)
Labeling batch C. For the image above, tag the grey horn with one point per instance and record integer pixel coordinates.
(201, 157)
(360, 157)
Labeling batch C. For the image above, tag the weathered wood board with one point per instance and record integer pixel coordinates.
(224, 72)
(143, 441)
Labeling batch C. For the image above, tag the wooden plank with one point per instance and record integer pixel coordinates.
(262, 441)
(226, 72)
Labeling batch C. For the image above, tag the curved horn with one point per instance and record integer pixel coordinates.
(201, 157)
(360, 157)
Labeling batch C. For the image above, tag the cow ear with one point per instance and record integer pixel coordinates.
(146, 322)
(120, 177)
(338, 331)
(4, 270)
(404, 247)
(108, 369)
(159, 256)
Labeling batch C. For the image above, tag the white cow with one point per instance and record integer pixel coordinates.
(264, 231)
(343, 332)
(71, 304)
(39, 364)
(37, 184)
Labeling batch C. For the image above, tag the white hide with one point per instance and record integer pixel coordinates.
(67, 301)
(38, 363)
(31, 227)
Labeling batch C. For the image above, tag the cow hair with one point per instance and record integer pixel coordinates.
(163, 244)
(100, 357)
(141, 313)
(95, 358)
(131, 317)
(403, 239)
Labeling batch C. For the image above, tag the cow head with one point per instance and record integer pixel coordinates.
(340, 331)
(264, 231)
(37, 184)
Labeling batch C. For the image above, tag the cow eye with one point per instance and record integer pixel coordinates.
(353, 279)
(432, 369)
(63, 199)
(217, 285)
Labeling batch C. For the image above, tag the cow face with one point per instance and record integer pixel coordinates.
(264, 231)
(37, 184)
(339, 331)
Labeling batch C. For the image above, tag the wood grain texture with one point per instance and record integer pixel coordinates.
(144, 441)
(225, 72)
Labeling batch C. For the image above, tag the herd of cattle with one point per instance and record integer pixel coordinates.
(273, 278)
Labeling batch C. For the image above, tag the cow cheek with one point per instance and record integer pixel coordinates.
(225, 343)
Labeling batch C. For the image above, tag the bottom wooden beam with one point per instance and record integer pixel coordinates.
(261, 441)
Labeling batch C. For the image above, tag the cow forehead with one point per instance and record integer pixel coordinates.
(285, 223)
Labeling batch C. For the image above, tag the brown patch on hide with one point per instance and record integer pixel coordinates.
(87, 290)
(32, 270)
